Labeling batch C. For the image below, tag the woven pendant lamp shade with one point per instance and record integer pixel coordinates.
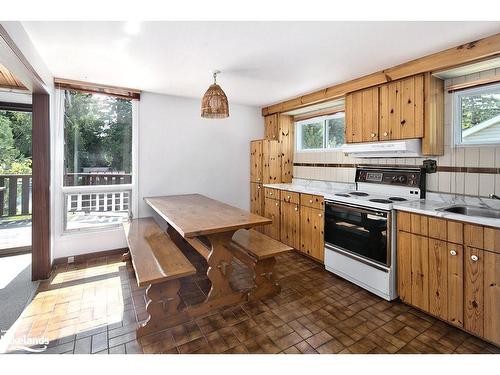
(214, 103)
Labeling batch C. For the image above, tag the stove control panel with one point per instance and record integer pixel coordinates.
(388, 176)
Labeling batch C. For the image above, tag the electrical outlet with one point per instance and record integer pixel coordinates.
(71, 260)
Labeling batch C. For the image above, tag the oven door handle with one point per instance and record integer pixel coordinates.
(382, 213)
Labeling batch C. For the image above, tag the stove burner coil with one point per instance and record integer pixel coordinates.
(398, 199)
(378, 200)
(359, 193)
(342, 195)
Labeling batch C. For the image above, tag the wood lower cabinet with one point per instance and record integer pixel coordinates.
(312, 227)
(447, 274)
(272, 211)
(256, 198)
(455, 269)
(474, 290)
(492, 296)
(420, 272)
(290, 224)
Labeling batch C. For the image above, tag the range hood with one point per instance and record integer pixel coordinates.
(388, 149)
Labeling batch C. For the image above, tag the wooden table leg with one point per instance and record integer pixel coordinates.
(220, 266)
(265, 284)
(162, 308)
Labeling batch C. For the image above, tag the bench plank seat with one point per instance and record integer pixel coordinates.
(259, 245)
(155, 257)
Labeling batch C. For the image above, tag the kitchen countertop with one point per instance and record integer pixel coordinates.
(323, 188)
(434, 201)
(426, 206)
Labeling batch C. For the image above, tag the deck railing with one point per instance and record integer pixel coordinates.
(103, 178)
(15, 195)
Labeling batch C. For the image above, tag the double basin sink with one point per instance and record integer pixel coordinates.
(472, 211)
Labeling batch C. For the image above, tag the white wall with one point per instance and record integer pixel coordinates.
(182, 153)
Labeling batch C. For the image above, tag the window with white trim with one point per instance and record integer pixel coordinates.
(476, 115)
(321, 133)
(98, 147)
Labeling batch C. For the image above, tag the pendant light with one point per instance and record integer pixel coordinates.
(214, 102)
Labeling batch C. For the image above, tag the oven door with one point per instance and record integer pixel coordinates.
(359, 232)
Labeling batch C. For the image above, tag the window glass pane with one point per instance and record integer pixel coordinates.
(312, 135)
(335, 129)
(480, 116)
(98, 139)
(95, 210)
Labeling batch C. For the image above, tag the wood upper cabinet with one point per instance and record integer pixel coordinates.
(408, 108)
(265, 161)
(271, 127)
(286, 139)
(362, 116)
(290, 224)
(402, 109)
(272, 211)
(312, 227)
(256, 161)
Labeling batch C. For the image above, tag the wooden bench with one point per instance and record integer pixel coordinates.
(159, 265)
(258, 251)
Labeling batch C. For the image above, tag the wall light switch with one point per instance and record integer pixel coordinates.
(71, 260)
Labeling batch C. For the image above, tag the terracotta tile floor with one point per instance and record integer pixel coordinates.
(94, 308)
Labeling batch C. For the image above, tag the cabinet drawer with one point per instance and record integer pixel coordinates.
(404, 221)
(419, 224)
(492, 239)
(473, 236)
(437, 228)
(290, 197)
(271, 193)
(313, 201)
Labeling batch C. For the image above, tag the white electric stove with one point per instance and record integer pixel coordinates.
(360, 227)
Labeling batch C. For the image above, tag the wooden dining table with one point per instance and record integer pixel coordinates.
(208, 226)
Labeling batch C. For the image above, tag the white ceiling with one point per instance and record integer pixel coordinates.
(261, 62)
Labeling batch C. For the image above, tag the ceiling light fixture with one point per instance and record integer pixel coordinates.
(214, 103)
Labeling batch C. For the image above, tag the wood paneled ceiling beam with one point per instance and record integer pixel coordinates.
(466, 53)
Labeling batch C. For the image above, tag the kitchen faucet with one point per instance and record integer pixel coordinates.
(494, 196)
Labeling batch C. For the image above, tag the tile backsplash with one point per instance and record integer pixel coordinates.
(464, 183)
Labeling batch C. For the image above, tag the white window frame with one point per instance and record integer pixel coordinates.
(65, 190)
(456, 122)
(323, 119)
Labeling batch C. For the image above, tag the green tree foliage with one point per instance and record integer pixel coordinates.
(15, 142)
(8, 153)
(98, 132)
(336, 134)
(312, 135)
(479, 108)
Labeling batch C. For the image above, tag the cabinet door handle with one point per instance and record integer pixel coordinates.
(270, 193)
(310, 200)
(474, 258)
(276, 203)
(287, 197)
(258, 178)
(258, 187)
(296, 208)
(386, 134)
(453, 253)
(319, 215)
(373, 135)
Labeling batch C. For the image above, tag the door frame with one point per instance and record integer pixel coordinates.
(15, 61)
